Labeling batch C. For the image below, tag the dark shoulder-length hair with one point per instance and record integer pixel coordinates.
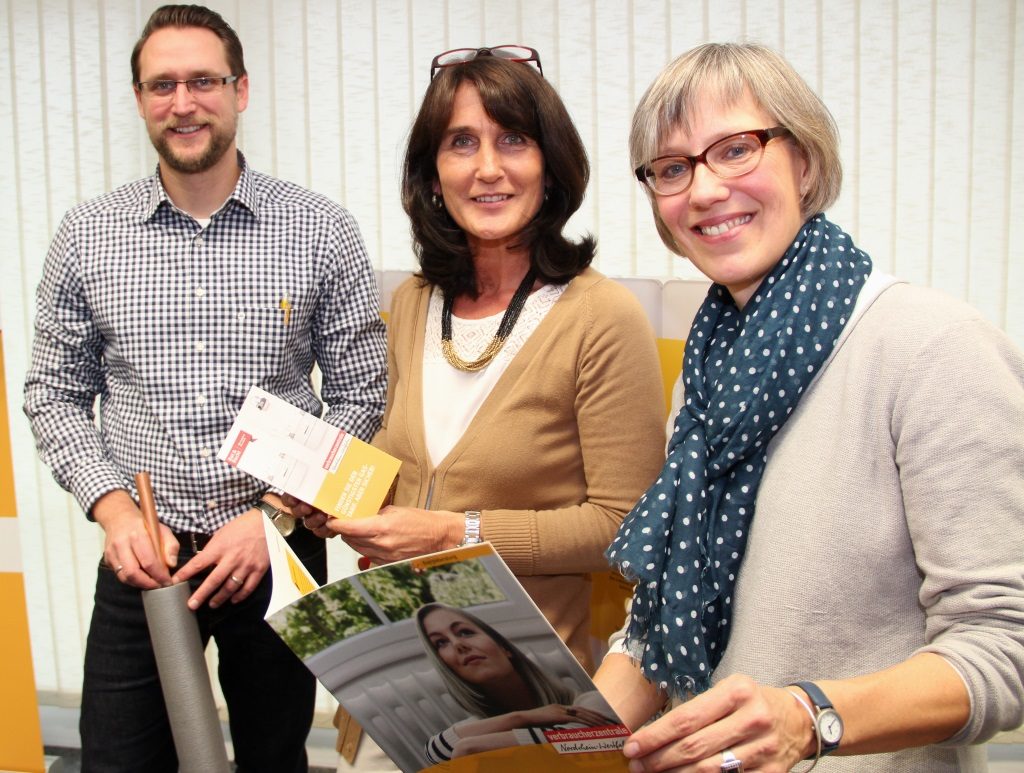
(515, 96)
(546, 690)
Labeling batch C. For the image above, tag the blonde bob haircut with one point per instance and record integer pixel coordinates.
(723, 73)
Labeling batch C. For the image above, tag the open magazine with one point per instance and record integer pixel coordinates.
(429, 654)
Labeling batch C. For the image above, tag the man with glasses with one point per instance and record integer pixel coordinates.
(167, 299)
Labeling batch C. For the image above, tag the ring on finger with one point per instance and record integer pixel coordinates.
(120, 568)
(730, 764)
(235, 580)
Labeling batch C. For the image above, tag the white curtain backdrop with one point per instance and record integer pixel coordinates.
(925, 93)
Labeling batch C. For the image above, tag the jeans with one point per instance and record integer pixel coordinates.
(270, 694)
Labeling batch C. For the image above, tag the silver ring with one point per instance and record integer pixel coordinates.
(729, 762)
(120, 568)
(235, 579)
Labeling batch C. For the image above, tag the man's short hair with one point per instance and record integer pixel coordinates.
(192, 16)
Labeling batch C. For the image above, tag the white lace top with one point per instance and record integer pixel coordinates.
(451, 397)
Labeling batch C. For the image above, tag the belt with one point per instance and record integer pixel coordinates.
(196, 540)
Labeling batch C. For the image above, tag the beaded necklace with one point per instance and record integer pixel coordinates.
(508, 321)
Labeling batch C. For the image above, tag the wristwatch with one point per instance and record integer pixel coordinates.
(472, 528)
(282, 520)
(827, 722)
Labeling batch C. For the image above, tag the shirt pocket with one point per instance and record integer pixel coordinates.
(259, 345)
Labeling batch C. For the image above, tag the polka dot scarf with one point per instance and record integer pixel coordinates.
(744, 373)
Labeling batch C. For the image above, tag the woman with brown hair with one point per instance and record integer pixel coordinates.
(524, 397)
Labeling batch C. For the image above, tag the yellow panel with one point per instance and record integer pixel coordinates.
(8, 506)
(670, 352)
(21, 742)
(608, 596)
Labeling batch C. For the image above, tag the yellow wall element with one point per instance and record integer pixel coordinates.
(608, 596)
(21, 741)
(8, 507)
(670, 352)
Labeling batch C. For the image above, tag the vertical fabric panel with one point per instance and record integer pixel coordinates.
(989, 173)
(926, 95)
(325, 127)
(652, 258)
(914, 196)
(573, 58)
(393, 68)
(291, 92)
(951, 145)
(614, 195)
(1015, 200)
(876, 145)
(362, 150)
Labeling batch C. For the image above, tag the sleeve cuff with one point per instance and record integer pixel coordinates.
(92, 481)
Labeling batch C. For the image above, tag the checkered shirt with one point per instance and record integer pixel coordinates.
(169, 324)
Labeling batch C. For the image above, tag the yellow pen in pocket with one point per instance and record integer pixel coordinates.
(286, 306)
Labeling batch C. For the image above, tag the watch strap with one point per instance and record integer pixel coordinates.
(821, 703)
(815, 693)
(472, 535)
(282, 520)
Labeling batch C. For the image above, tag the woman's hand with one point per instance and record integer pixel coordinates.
(764, 727)
(398, 533)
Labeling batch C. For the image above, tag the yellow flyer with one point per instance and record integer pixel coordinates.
(305, 456)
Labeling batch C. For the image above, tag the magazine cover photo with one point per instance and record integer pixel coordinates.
(447, 663)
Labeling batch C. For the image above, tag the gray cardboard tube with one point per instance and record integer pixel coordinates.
(185, 681)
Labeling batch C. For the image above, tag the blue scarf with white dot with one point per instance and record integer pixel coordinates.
(744, 373)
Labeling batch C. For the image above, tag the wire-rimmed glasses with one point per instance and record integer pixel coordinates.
(165, 88)
(513, 53)
(732, 156)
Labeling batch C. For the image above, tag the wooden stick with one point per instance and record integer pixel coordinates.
(148, 507)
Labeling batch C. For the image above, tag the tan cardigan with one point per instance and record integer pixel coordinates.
(566, 442)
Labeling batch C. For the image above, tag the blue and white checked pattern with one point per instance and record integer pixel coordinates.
(170, 324)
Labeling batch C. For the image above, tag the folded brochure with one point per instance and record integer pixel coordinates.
(307, 457)
(447, 664)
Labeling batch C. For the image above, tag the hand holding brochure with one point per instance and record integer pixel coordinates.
(307, 457)
(447, 664)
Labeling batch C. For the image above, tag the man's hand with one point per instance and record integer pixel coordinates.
(127, 548)
(237, 554)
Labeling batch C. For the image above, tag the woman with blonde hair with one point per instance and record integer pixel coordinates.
(830, 560)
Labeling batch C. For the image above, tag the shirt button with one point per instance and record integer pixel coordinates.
(211, 505)
(200, 346)
(241, 316)
(200, 399)
(200, 292)
(204, 452)
(199, 241)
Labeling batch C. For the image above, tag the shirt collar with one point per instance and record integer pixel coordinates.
(244, 192)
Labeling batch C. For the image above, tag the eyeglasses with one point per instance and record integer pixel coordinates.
(462, 55)
(730, 156)
(164, 89)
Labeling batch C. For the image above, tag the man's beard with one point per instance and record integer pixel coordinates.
(219, 143)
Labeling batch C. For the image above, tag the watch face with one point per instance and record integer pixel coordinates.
(285, 524)
(830, 727)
